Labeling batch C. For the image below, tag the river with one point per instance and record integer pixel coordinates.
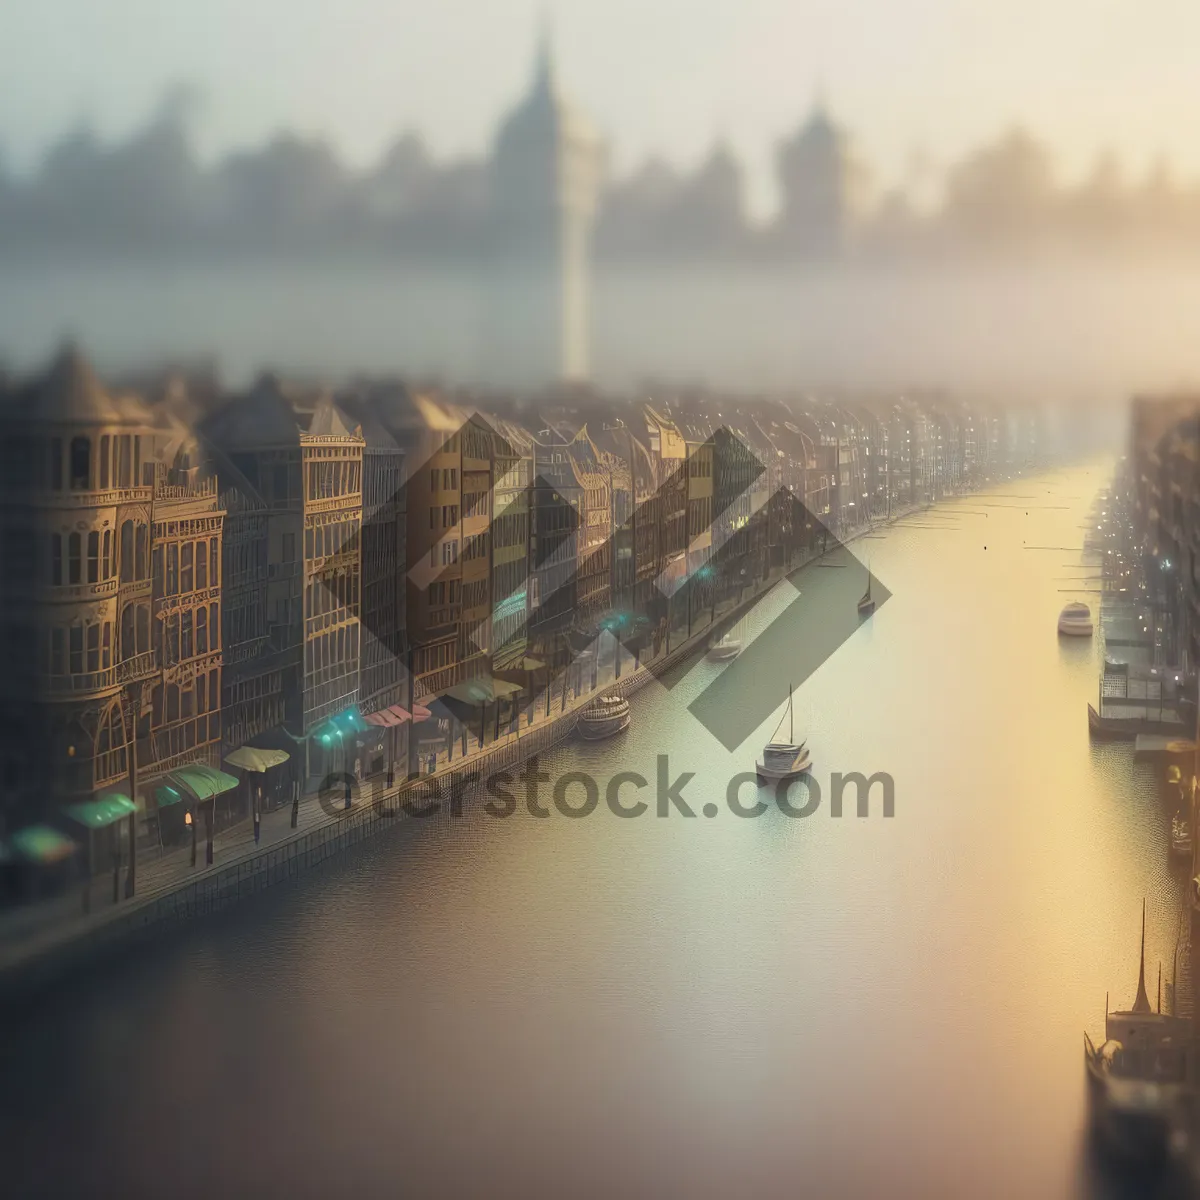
(656, 1006)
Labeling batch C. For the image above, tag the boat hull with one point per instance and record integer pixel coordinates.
(1135, 1138)
(597, 731)
(723, 653)
(1075, 628)
(804, 767)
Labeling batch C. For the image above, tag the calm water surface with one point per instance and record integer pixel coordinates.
(659, 1007)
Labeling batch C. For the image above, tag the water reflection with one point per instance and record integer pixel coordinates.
(702, 1006)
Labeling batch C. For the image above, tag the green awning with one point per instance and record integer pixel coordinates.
(251, 758)
(41, 844)
(203, 781)
(165, 795)
(100, 813)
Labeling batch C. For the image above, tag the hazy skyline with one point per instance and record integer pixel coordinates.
(927, 78)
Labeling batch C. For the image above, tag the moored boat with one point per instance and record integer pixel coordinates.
(1075, 620)
(604, 718)
(724, 648)
(1138, 1076)
(784, 760)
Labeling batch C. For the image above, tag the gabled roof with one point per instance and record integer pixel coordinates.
(329, 421)
(70, 392)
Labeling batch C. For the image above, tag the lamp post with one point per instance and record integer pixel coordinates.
(191, 824)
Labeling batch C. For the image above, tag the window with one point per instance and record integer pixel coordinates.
(107, 555)
(127, 646)
(93, 647)
(214, 563)
(81, 464)
(172, 570)
(56, 558)
(185, 637)
(214, 628)
(56, 464)
(57, 652)
(449, 515)
(185, 568)
(106, 646)
(449, 552)
(433, 480)
(201, 631)
(124, 461)
(93, 566)
(143, 629)
(76, 655)
(139, 566)
(172, 703)
(433, 518)
(202, 566)
(74, 557)
(126, 556)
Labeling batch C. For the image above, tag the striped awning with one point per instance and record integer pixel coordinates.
(388, 717)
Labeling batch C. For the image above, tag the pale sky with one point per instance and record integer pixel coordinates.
(662, 76)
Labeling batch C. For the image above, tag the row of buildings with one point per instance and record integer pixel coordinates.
(187, 573)
(1162, 478)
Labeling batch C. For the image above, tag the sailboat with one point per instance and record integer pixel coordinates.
(866, 606)
(1137, 1077)
(784, 760)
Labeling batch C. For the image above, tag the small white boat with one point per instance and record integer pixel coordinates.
(604, 718)
(1075, 620)
(784, 760)
(724, 648)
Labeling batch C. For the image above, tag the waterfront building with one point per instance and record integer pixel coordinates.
(112, 537)
(304, 458)
(556, 521)
(512, 489)
(383, 682)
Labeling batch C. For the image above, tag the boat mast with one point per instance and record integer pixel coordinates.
(1142, 1003)
(791, 723)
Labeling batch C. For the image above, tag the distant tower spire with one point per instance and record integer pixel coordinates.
(1142, 1003)
(544, 67)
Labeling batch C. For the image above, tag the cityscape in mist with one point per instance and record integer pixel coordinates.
(288, 252)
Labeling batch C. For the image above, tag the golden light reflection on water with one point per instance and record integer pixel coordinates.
(723, 1006)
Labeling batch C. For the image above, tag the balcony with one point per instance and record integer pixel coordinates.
(84, 683)
(108, 498)
(68, 593)
(140, 666)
